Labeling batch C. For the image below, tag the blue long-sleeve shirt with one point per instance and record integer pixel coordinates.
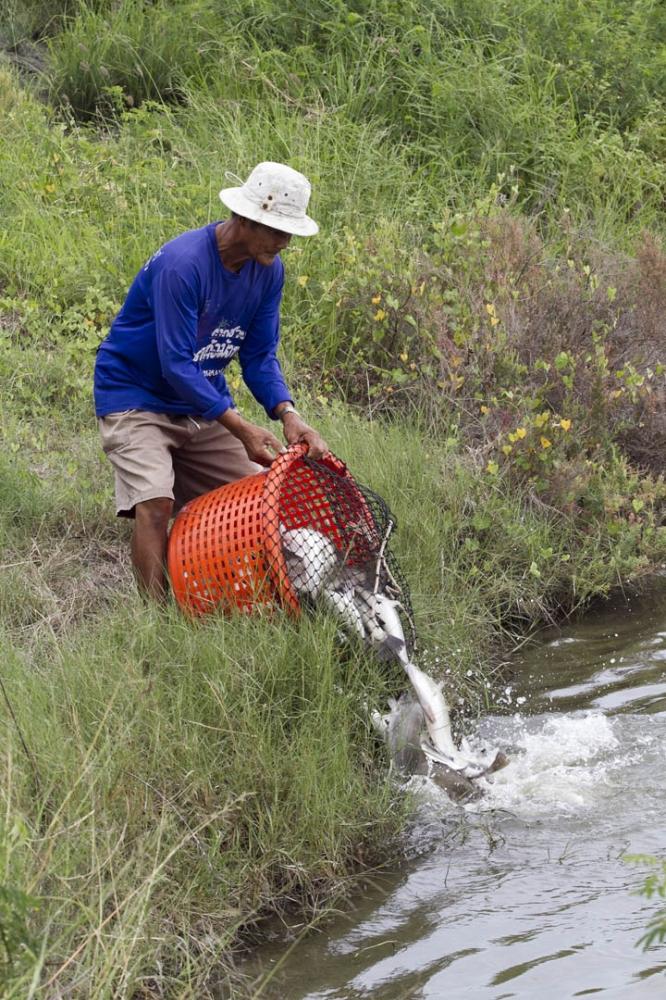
(185, 317)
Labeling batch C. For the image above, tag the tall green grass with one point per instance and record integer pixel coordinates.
(571, 98)
(184, 779)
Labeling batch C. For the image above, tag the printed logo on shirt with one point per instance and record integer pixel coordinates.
(158, 253)
(224, 344)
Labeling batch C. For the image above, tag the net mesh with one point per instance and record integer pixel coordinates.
(303, 533)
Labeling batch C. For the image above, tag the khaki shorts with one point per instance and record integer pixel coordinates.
(162, 455)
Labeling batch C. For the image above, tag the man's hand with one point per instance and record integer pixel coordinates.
(296, 430)
(260, 444)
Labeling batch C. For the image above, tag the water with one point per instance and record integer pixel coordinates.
(527, 893)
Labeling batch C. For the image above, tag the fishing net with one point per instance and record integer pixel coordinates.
(303, 533)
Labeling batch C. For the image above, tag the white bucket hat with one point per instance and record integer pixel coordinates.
(275, 195)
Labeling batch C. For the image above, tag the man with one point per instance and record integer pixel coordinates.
(167, 419)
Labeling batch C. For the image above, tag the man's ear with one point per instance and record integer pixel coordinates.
(246, 225)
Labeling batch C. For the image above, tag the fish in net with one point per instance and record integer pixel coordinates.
(335, 536)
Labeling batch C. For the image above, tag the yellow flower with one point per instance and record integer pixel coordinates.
(507, 449)
(492, 468)
(376, 299)
(379, 316)
(520, 433)
(565, 425)
(303, 279)
(485, 409)
(545, 443)
(404, 356)
(490, 309)
(542, 419)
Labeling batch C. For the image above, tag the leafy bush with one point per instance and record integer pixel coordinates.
(536, 355)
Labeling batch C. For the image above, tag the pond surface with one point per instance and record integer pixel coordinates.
(525, 894)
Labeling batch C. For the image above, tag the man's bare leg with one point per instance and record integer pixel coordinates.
(149, 546)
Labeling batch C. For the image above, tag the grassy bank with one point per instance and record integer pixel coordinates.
(185, 780)
(477, 331)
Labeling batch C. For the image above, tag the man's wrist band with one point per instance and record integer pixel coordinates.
(288, 409)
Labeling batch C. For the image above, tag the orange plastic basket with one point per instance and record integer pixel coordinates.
(225, 548)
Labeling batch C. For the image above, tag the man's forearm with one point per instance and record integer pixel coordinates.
(232, 420)
(260, 444)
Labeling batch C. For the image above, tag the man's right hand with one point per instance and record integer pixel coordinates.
(260, 444)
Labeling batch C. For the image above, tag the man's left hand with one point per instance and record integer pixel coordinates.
(296, 430)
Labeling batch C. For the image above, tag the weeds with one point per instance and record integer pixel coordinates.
(173, 751)
(478, 332)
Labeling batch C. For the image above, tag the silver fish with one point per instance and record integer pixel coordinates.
(384, 630)
(311, 559)
(438, 720)
(341, 600)
(402, 729)
(315, 570)
(382, 624)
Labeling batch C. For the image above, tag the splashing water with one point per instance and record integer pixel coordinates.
(557, 764)
(526, 892)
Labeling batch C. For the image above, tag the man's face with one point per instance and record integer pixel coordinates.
(264, 243)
